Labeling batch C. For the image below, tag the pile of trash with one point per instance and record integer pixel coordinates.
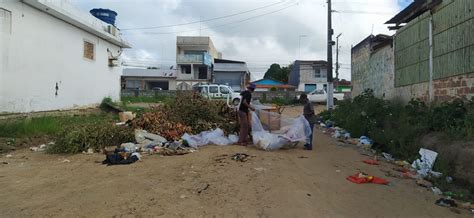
(344, 136)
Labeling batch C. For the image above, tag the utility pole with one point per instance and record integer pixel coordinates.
(330, 100)
(337, 58)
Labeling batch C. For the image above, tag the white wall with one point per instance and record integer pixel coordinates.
(42, 51)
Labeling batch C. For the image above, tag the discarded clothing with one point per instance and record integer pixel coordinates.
(241, 157)
(360, 178)
(446, 202)
(121, 158)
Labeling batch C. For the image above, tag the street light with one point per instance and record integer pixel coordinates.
(299, 45)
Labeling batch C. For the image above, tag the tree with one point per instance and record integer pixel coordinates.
(278, 73)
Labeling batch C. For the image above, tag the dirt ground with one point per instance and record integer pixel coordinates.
(207, 183)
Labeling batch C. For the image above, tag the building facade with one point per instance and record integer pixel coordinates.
(307, 76)
(232, 73)
(434, 50)
(194, 58)
(53, 56)
(372, 66)
(149, 79)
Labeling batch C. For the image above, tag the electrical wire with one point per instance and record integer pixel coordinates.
(206, 20)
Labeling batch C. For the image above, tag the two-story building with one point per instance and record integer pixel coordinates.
(54, 56)
(194, 58)
(233, 73)
(307, 76)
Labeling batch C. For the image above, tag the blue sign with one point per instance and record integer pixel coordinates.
(207, 59)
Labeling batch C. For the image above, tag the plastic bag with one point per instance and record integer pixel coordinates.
(144, 137)
(215, 137)
(425, 163)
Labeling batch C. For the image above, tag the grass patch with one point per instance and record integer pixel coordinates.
(48, 125)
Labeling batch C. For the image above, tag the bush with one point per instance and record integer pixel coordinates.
(398, 129)
(95, 136)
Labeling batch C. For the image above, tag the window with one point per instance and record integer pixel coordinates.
(317, 73)
(133, 84)
(224, 90)
(194, 52)
(213, 89)
(89, 51)
(186, 69)
(5, 21)
(323, 74)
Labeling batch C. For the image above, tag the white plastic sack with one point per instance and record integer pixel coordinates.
(215, 137)
(291, 130)
(426, 162)
(144, 137)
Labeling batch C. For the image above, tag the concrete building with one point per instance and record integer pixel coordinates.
(434, 50)
(233, 73)
(149, 79)
(53, 56)
(372, 66)
(307, 76)
(194, 58)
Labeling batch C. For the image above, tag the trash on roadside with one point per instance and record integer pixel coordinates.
(241, 157)
(126, 116)
(200, 190)
(444, 202)
(425, 163)
(388, 156)
(144, 137)
(360, 178)
(436, 191)
(424, 183)
(453, 195)
(5, 163)
(8, 156)
(129, 147)
(215, 137)
(121, 157)
(260, 169)
(66, 161)
(371, 162)
(449, 179)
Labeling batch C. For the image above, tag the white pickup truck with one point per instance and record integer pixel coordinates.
(321, 96)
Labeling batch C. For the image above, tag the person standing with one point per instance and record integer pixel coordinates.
(244, 114)
(308, 112)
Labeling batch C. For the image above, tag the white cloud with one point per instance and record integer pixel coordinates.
(259, 41)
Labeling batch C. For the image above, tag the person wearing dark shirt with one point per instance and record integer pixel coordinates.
(244, 114)
(308, 112)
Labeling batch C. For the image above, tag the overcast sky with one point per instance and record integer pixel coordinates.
(268, 31)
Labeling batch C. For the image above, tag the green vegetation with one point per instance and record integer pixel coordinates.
(48, 125)
(398, 129)
(278, 73)
(93, 135)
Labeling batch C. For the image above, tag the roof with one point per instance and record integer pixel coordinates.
(63, 10)
(137, 72)
(413, 10)
(267, 82)
(282, 86)
(375, 42)
(217, 60)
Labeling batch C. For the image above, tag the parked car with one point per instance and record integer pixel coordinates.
(157, 88)
(216, 91)
(321, 96)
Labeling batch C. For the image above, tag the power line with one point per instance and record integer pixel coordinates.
(206, 20)
(225, 24)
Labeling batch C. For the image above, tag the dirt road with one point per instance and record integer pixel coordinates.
(206, 183)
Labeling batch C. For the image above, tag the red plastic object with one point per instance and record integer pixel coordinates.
(371, 162)
(368, 179)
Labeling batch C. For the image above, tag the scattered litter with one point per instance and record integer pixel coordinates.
(364, 140)
(436, 174)
(436, 191)
(453, 195)
(121, 157)
(302, 157)
(182, 196)
(90, 151)
(371, 162)
(126, 116)
(444, 202)
(66, 161)
(424, 183)
(260, 169)
(144, 137)
(203, 189)
(120, 123)
(308, 194)
(449, 179)
(402, 163)
(338, 171)
(360, 178)
(241, 157)
(388, 156)
(8, 156)
(129, 147)
(215, 137)
(5, 163)
(425, 163)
